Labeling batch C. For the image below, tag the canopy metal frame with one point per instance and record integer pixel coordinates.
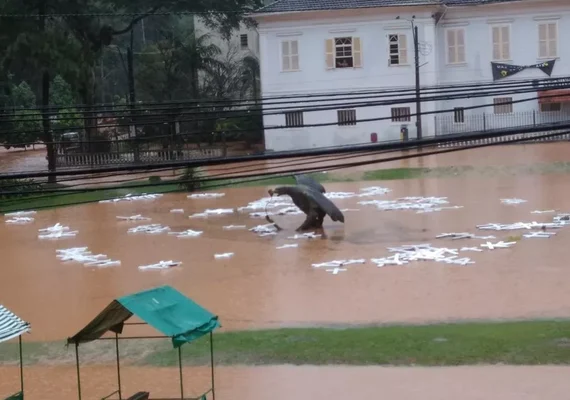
(119, 392)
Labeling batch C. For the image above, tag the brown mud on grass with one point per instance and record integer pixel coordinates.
(305, 383)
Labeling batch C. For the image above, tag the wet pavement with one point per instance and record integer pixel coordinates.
(261, 286)
(288, 382)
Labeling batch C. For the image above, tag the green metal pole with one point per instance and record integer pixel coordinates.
(180, 370)
(77, 366)
(118, 364)
(212, 364)
(21, 365)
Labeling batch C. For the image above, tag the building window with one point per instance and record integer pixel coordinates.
(550, 107)
(455, 46)
(294, 119)
(346, 117)
(398, 47)
(503, 105)
(243, 42)
(401, 114)
(459, 115)
(290, 55)
(548, 40)
(501, 43)
(344, 52)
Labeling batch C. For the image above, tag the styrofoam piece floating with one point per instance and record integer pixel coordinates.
(187, 233)
(223, 255)
(498, 245)
(205, 195)
(20, 213)
(58, 235)
(137, 217)
(538, 234)
(55, 228)
(336, 270)
(462, 235)
(521, 225)
(264, 230)
(87, 258)
(423, 204)
(208, 212)
(161, 265)
(513, 201)
(177, 211)
(308, 235)
(287, 246)
(470, 249)
(132, 197)
(151, 229)
(339, 263)
(542, 211)
(20, 220)
(233, 227)
(421, 252)
(266, 203)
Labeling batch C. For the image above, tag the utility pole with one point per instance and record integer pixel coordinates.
(417, 70)
(132, 98)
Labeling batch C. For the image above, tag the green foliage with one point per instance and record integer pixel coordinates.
(190, 180)
(10, 188)
(23, 96)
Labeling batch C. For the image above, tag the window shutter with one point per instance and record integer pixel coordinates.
(403, 48)
(329, 53)
(286, 62)
(294, 55)
(451, 50)
(552, 40)
(496, 43)
(506, 43)
(460, 40)
(356, 52)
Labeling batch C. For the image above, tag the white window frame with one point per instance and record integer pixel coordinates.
(400, 114)
(296, 118)
(241, 41)
(459, 115)
(447, 46)
(549, 54)
(502, 57)
(355, 51)
(351, 113)
(291, 56)
(402, 50)
(504, 106)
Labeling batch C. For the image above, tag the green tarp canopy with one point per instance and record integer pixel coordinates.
(164, 308)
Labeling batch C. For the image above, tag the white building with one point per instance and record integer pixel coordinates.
(331, 46)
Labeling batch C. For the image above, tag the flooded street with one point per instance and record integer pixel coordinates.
(261, 286)
(315, 383)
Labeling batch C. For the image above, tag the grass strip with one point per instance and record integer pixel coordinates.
(515, 343)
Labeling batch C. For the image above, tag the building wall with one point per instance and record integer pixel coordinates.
(311, 30)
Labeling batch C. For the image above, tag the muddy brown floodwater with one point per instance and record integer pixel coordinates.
(314, 383)
(264, 287)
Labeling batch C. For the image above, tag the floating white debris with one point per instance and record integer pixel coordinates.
(339, 263)
(538, 234)
(152, 229)
(308, 235)
(349, 209)
(421, 252)
(58, 235)
(498, 245)
(137, 217)
(20, 220)
(336, 270)
(131, 197)
(223, 255)
(542, 211)
(422, 204)
(470, 249)
(205, 195)
(264, 230)
(218, 211)
(340, 195)
(520, 225)
(187, 233)
(177, 210)
(161, 265)
(267, 203)
(232, 227)
(20, 213)
(513, 201)
(373, 191)
(86, 257)
(287, 246)
(55, 228)
(462, 235)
